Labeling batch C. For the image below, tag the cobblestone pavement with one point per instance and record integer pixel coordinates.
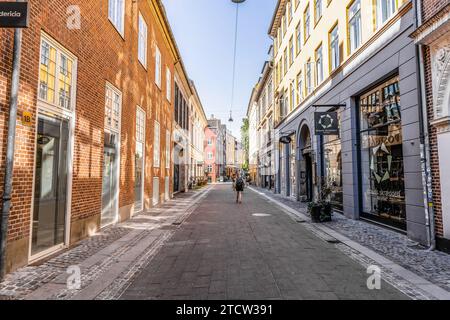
(202, 245)
(250, 251)
(431, 265)
(120, 250)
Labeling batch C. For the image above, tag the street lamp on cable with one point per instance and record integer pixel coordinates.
(234, 58)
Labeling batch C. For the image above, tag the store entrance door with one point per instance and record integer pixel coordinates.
(50, 190)
(306, 174)
(109, 187)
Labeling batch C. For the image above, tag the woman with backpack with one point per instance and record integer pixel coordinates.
(238, 186)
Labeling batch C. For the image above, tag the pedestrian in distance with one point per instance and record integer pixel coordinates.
(238, 186)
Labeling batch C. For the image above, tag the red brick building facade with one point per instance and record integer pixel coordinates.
(433, 36)
(100, 94)
(211, 164)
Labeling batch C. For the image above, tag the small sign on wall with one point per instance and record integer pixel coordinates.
(14, 14)
(27, 118)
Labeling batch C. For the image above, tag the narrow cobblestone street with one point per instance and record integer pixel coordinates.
(131, 129)
(203, 245)
(250, 251)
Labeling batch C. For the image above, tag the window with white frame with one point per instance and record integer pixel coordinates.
(298, 39)
(317, 9)
(291, 10)
(56, 75)
(140, 126)
(168, 84)
(270, 91)
(113, 103)
(157, 67)
(292, 88)
(142, 41)
(210, 168)
(334, 48)
(116, 14)
(285, 61)
(354, 25)
(286, 103)
(156, 146)
(319, 65)
(385, 10)
(309, 84)
(168, 147)
(291, 51)
(281, 111)
(210, 156)
(263, 103)
(307, 21)
(300, 87)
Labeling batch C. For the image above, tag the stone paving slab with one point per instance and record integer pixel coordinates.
(223, 251)
(113, 249)
(427, 271)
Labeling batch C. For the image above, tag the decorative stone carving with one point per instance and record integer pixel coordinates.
(441, 78)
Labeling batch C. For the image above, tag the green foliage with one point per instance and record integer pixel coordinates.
(245, 142)
(322, 205)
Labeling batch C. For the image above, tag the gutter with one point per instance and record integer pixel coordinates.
(10, 147)
(424, 139)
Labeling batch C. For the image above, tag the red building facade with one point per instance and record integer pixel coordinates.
(433, 38)
(211, 164)
(97, 80)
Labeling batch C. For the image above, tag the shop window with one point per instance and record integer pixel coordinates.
(332, 164)
(282, 169)
(382, 178)
(293, 167)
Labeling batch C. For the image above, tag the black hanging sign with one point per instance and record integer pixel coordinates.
(13, 14)
(326, 123)
(285, 140)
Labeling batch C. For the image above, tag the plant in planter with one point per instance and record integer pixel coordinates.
(321, 210)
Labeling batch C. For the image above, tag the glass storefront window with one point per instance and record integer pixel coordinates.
(333, 169)
(382, 178)
(50, 192)
(282, 169)
(293, 167)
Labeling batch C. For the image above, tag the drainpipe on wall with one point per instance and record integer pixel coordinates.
(7, 189)
(424, 139)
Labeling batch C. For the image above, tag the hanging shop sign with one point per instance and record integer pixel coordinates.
(14, 14)
(286, 137)
(285, 140)
(326, 123)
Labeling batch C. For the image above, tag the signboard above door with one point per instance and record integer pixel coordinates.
(326, 123)
(13, 14)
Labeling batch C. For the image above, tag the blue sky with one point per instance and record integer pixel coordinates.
(204, 30)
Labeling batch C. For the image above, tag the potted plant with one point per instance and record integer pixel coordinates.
(321, 210)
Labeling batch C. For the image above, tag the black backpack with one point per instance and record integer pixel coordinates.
(239, 184)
